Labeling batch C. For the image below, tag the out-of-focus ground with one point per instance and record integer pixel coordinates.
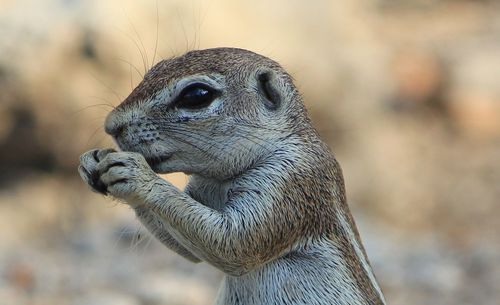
(407, 94)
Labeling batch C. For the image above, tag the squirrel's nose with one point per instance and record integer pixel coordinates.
(113, 125)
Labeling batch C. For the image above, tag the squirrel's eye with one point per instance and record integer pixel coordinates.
(195, 96)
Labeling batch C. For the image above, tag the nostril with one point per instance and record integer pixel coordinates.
(117, 131)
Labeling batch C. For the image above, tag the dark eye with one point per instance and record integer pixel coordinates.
(195, 96)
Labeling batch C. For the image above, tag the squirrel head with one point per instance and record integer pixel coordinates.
(213, 113)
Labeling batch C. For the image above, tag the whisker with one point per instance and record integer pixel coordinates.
(157, 30)
(196, 147)
(130, 66)
(186, 41)
(210, 144)
(123, 231)
(93, 120)
(131, 78)
(147, 243)
(136, 241)
(142, 44)
(106, 102)
(72, 114)
(93, 135)
(136, 45)
(101, 140)
(259, 141)
(193, 145)
(195, 41)
(106, 86)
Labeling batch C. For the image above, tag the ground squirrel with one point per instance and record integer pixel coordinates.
(265, 202)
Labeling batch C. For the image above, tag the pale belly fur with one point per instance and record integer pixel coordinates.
(319, 276)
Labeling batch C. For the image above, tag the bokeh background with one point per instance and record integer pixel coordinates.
(407, 94)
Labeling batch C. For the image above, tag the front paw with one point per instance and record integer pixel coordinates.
(88, 169)
(124, 175)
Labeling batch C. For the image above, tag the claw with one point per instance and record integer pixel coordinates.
(105, 169)
(97, 184)
(94, 154)
(103, 152)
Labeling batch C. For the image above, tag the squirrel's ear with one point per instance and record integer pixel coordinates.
(268, 90)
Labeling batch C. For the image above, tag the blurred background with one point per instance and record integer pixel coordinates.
(407, 94)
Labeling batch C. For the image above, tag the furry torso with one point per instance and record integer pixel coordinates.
(316, 276)
(314, 271)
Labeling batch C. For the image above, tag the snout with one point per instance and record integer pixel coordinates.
(114, 123)
(131, 129)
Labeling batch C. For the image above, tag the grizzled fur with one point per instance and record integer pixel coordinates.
(265, 202)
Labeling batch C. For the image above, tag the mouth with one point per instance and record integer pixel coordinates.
(156, 161)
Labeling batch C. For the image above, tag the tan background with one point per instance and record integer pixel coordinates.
(407, 94)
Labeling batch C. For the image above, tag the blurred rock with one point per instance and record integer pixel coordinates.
(476, 93)
(477, 116)
(174, 289)
(21, 276)
(105, 298)
(419, 79)
(17, 145)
